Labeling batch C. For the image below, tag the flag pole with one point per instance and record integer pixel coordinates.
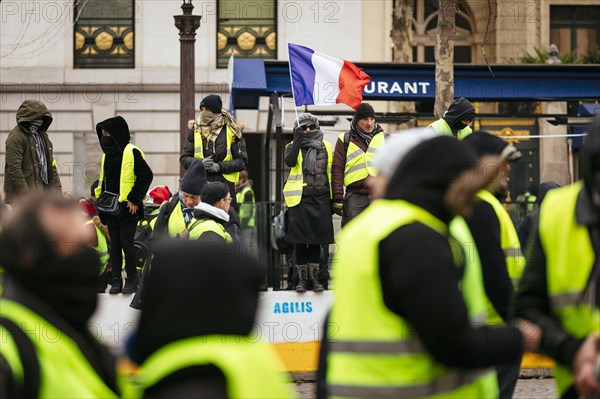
(291, 80)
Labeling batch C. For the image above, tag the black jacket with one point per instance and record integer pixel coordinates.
(314, 185)
(238, 152)
(112, 171)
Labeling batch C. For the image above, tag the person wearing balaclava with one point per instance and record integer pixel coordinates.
(307, 194)
(498, 244)
(211, 214)
(216, 138)
(30, 164)
(123, 171)
(457, 119)
(197, 341)
(560, 287)
(353, 163)
(396, 268)
(49, 296)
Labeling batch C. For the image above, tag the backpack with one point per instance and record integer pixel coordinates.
(141, 238)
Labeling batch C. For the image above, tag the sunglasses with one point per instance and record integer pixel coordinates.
(312, 126)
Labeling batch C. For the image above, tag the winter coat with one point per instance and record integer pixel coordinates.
(314, 185)
(112, 172)
(339, 166)
(238, 152)
(22, 171)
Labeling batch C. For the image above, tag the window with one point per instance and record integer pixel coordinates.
(247, 29)
(575, 28)
(425, 27)
(103, 34)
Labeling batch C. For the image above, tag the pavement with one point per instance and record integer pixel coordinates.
(533, 388)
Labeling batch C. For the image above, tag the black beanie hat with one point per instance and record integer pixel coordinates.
(195, 178)
(364, 111)
(213, 192)
(213, 102)
(485, 143)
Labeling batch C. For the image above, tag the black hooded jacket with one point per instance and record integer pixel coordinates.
(119, 131)
(459, 110)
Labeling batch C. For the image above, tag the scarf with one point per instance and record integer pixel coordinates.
(188, 213)
(40, 149)
(211, 124)
(312, 142)
(367, 137)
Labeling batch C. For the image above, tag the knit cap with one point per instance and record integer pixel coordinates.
(195, 179)
(213, 102)
(213, 192)
(365, 110)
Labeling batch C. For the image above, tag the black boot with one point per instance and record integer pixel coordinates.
(302, 278)
(117, 286)
(131, 284)
(313, 276)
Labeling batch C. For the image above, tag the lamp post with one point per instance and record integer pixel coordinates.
(187, 25)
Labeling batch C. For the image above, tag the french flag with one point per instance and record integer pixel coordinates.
(323, 80)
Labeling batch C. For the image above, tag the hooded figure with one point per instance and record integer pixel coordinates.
(383, 270)
(456, 120)
(124, 172)
(30, 164)
(51, 275)
(560, 288)
(209, 349)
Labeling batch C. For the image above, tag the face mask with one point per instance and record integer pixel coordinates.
(459, 125)
(206, 116)
(109, 145)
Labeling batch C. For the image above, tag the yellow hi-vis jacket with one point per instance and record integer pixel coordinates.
(360, 164)
(251, 369)
(292, 191)
(64, 371)
(199, 150)
(127, 173)
(441, 127)
(102, 247)
(378, 354)
(509, 241)
(569, 261)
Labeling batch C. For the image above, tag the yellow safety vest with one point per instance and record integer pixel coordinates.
(441, 127)
(127, 173)
(509, 241)
(64, 371)
(199, 150)
(292, 191)
(378, 354)
(176, 223)
(246, 210)
(569, 260)
(360, 164)
(102, 247)
(252, 370)
(199, 227)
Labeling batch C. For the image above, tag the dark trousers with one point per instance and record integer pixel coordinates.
(121, 239)
(508, 374)
(307, 253)
(354, 203)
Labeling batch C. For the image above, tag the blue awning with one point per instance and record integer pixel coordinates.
(416, 82)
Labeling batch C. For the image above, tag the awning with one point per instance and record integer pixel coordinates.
(416, 82)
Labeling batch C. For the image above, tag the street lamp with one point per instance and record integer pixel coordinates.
(187, 25)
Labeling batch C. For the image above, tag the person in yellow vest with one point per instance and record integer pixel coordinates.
(415, 337)
(47, 350)
(457, 119)
(307, 194)
(498, 244)
(352, 165)
(198, 341)
(216, 138)
(99, 240)
(560, 287)
(245, 198)
(211, 214)
(123, 171)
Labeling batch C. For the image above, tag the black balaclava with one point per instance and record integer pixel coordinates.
(589, 162)
(109, 145)
(213, 289)
(459, 110)
(67, 285)
(119, 134)
(426, 172)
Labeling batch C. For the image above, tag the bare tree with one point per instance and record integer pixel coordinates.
(444, 56)
(401, 35)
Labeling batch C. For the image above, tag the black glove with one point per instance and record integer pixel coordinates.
(208, 163)
(216, 167)
(298, 134)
